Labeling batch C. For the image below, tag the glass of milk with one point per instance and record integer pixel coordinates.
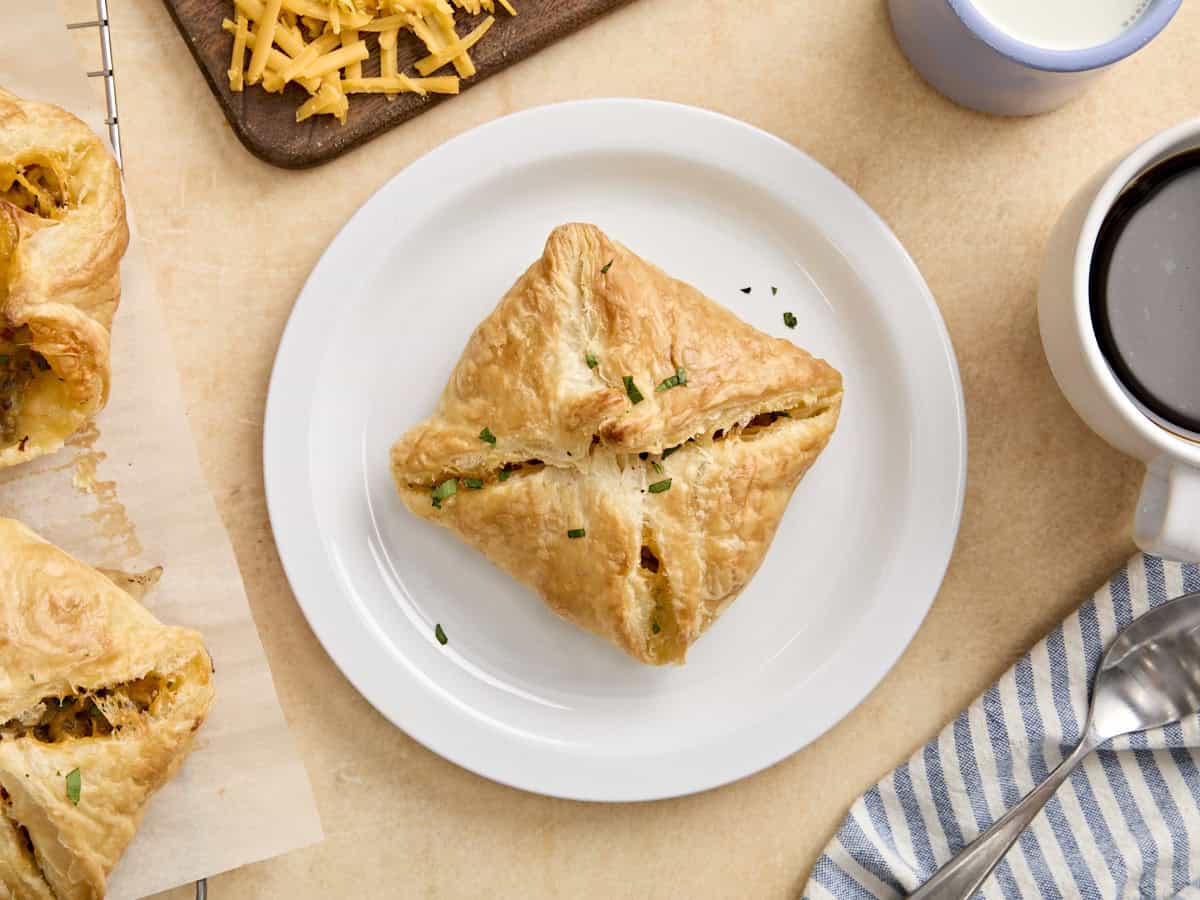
(1021, 57)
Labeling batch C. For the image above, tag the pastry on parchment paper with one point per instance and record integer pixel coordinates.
(99, 702)
(620, 443)
(62, 235)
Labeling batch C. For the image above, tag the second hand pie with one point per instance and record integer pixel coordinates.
(99, 704)
(620, 443)
(62, 235)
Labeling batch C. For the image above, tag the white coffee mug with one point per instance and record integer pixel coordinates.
(1167, 521)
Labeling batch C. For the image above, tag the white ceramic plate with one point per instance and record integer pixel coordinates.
(518, 695)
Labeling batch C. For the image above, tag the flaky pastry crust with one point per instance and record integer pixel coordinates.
(62, 235)
(545, 374)
(89, 681)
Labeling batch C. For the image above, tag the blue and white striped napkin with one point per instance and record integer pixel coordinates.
(1127, 823)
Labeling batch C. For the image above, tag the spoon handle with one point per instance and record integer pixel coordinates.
(960, 878)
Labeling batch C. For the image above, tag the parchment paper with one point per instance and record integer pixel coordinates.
(129, 494)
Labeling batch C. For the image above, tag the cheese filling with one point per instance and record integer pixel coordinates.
(35, 183)
(20, 368)
(88, 713)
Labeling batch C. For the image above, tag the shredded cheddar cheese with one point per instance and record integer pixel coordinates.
(236, 71)
(321, 45)
(258, 58)
(349, 36)
(454, 50)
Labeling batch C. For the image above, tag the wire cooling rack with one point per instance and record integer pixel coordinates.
(112, 121)
(100, 23)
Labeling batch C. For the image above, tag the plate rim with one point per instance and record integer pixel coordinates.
(333, 635)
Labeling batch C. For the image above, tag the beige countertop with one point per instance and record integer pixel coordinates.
(973, 198)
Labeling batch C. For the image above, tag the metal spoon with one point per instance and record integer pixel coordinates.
(1148, 677)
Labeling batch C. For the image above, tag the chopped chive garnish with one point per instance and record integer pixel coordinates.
(440, 634)
(504, 473)
(607, 266)
(74, 785)
(671, 450)
(4, 358)
(475, 484)
(783, 415)
(635, 396)
(487, 437)
(592, 361)
(577, 533)
(446, 489)
(657, 467)
(677, 380)
(659, 486)
(789, 320)
(654, 629)
(774, 290)
(745, 290)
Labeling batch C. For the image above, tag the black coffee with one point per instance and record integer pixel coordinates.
(1145, 288)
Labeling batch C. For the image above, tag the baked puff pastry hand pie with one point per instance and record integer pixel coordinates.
(620, 443)
(62, 235)
(98, 703)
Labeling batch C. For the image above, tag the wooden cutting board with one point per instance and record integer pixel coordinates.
(266, 123)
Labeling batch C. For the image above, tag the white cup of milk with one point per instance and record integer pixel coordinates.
(1021, 57)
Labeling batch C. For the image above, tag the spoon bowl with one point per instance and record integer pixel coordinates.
(1148, 677)
(1150, 674)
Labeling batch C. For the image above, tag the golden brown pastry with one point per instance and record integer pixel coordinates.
(62, 235)
(98, 703)
(620, 443)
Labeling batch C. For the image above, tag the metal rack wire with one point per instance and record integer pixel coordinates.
(112, 121)
(100, 23)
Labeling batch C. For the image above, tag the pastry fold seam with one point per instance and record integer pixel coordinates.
(26, 846)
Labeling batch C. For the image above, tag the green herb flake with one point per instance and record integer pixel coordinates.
(657, 467)
(74, 785)
(774, 290)
(789, 320)
(670, 450)
(447, 488)
(96, 712)
(654, 629)
(475, 484)
(4, 359)
(677, 380)
(592, 362)
(440, 634)
(635, 396)
(42, 362)
(487, 437)
(659, 486)
(504, 474)
(577, 533)
(607, 266)
(745, 290)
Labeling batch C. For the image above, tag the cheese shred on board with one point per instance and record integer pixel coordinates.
(321, 45)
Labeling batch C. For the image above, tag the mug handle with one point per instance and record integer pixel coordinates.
(1167, 521)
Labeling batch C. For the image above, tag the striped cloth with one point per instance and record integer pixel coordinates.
(1126, 824)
